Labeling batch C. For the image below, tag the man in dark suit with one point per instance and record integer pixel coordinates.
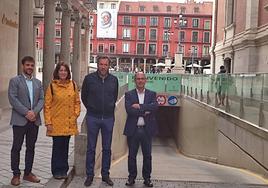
(26, 97)
(141, 105)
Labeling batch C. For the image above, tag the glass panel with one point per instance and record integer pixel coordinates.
(252, 85)
(234, 93)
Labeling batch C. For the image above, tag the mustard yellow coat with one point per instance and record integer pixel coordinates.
(62, 108)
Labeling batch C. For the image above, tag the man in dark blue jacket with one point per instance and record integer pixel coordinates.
(141, 105)
(99, 95)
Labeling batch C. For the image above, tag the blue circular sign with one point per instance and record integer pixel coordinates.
(172, 100)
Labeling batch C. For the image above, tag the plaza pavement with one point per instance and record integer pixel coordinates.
(42, 160)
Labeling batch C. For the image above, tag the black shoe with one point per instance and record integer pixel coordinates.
(108, 180)
(148, 183)
(88, 181)
(130, 182)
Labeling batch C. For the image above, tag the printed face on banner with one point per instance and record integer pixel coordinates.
(107, 23)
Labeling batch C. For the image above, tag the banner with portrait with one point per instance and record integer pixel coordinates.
(107, 23)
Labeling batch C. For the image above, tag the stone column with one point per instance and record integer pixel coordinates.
(117, 64)
(26, 43)
(84, 51)
(49, 46)
(144, 65)
(65, 32)
(77, 48)
(132, 64)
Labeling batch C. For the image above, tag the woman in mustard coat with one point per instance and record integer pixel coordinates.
(61, 110)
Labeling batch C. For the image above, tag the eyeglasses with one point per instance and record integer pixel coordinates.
(29, 65)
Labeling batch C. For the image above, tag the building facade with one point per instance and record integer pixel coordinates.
(241, 37)
(149, 32)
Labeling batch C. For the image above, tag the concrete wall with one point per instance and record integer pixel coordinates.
(205, 133)
(196, 134)
(9, 19)
(119, 143)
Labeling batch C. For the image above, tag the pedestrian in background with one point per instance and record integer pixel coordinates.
(141, 126)
(61, 110)
(26, 97)
(99, 95)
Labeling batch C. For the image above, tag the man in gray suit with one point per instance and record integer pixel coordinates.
(26, 97)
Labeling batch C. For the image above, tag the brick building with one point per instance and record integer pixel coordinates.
(241, 39)
(148, 32)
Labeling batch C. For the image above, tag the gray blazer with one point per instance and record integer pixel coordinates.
(19, 99)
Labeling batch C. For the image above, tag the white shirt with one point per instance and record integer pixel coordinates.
(141, 101)
(29, 83)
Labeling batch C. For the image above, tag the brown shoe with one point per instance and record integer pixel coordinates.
(15, 180)
(32, 178)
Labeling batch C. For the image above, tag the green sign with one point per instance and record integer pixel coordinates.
(169, 83)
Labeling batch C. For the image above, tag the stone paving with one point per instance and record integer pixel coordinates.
(173, 170)
(42, 158)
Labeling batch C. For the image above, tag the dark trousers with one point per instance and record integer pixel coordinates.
(30, 131)
(140, 138)
(93, 127)
(60, 151)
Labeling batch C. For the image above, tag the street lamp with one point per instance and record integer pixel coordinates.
(168, 33)
(191, 50)
(182, 23)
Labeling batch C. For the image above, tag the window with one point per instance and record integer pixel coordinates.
(152, 49)
(230, 12)
(167, 22)
(57, 47)
(195, 22)
(183, 22)
(100, 49)
(101, 5)
(58, 33)
(183, 10)
(168, 8)
(127, 8)
(37, 32)
(153, 21)
(206, 37)
(91, 47)
(165, 50)
(142, 8)
(113, 6)
(181, 36)
(196, 9)
(125, 47)
(141, 21)
(195, 36)
(112, 48)
(166, 35)
(152, 34)
(91, 34)
(155, 8)
(140, 48)
(37, 45)
(126, 33)
(141, 34)
(207, 24)
(126, 20)
(205, 51)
